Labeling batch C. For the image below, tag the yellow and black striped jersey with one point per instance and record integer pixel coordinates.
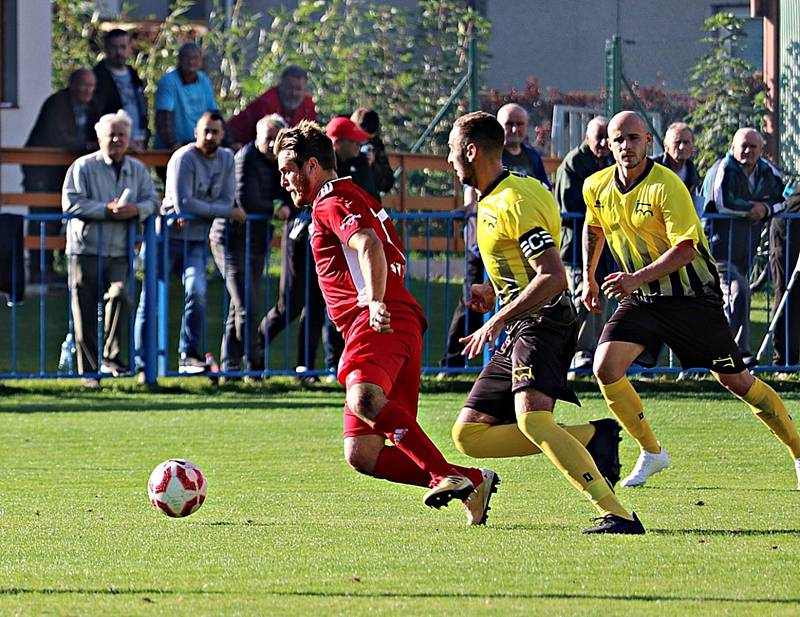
(517, 220)
(641, 223)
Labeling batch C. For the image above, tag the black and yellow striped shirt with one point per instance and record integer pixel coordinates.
(641, 223)
(517, 221)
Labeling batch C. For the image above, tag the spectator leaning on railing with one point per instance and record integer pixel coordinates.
(200, 183)
(258, 191)
(105, 191)
(747, 187)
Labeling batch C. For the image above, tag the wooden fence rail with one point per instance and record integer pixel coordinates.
(400, 199)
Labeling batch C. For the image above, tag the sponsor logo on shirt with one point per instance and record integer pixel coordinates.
(643, 208)
(349, 221)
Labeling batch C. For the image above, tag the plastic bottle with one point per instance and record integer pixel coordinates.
(213, 367)
(66, 361)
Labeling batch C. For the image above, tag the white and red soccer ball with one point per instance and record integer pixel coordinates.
(177, 487)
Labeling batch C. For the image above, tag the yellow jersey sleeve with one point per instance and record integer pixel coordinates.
(680, 218)
(590, 199)
(534, 223)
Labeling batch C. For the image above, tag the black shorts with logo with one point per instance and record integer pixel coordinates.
(696, 329)
(536, 354)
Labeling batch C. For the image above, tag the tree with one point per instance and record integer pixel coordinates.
(728, 92)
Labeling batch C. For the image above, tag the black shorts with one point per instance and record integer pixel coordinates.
(536, 354)
(696, 329)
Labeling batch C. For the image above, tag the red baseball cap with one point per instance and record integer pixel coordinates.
(343, 127)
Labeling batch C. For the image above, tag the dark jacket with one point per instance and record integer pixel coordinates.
(55, 128)
(537, 165)
(381, 169)
(736, 240)
(108, 100)
(578, 164)
(258, 186)
(358, 168)
(692, 180)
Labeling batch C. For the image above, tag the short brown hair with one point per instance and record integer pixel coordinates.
(483, 130)
(304, 141)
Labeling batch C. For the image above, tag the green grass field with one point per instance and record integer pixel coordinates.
(288, 529)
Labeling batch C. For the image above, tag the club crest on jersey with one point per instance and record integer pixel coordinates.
(522, 372)
(349, 221)
(643, 208)
(489, 220)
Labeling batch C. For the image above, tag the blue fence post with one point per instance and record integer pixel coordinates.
(151, 293)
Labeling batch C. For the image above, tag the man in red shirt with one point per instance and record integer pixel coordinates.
(289, 99)
(361, 271)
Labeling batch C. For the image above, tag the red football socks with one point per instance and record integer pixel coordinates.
(404, 432)
(395, 466)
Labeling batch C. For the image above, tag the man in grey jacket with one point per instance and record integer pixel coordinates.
(199, 188)
(107, 192)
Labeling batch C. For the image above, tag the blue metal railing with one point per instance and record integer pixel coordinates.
(435, 296)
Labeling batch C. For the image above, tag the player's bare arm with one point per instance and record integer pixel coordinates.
(550, 279)
(592, 244)
(372, 260)
(620, 284)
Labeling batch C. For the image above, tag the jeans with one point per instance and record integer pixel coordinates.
(736, 302)
(243, 312)
(188, 258)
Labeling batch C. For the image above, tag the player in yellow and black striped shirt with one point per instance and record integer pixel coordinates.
(668, 291)
(509, 411)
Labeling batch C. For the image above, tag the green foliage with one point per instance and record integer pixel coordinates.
(75, 24)
(401, 62)
(728, 91)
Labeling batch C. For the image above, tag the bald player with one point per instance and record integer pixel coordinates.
(668, 292)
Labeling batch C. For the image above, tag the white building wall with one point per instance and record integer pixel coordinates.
(33, 83)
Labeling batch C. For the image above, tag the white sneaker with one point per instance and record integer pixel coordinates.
(647, 465)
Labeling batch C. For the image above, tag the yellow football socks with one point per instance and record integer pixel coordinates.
(504, 440)
(623, 401)
(769, 408)
(572, 459)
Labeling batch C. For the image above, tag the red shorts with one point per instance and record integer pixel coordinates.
(391, 361)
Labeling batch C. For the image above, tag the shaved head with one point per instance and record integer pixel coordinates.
(747, 147)
(628, 119)
(597, 136)
(514, 120)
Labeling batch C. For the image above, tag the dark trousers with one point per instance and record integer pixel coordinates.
(464, 321)
(243, 306)
(785, 351)
(295, 300)
(90, 299)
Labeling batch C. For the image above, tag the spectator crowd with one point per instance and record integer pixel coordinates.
(223, 196)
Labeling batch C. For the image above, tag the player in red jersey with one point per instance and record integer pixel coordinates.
(361, 271)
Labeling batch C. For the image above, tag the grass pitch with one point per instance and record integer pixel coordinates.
(288, 529)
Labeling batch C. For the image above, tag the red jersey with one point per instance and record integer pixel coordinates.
(341, 209)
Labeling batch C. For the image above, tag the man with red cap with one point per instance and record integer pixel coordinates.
(347, 138)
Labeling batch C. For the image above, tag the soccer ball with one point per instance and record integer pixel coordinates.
(177, 487)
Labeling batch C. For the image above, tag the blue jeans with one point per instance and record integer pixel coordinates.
(187, 258)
